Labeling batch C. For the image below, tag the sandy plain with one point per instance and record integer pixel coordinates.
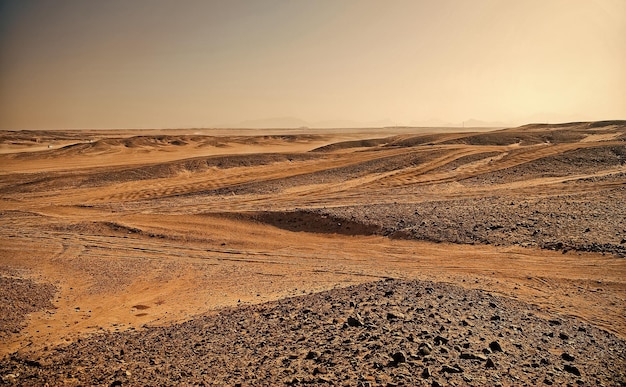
(124, 231)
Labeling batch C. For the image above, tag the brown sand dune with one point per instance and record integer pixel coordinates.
(113, 236)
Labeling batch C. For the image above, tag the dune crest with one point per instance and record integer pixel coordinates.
(112, 238)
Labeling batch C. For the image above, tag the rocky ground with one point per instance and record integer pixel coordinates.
(149, 259)
(18, 298)
(580, 222)
(382, 333)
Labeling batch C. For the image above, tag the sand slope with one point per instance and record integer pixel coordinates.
(154, 228)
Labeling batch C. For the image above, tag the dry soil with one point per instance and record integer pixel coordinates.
(336, 257)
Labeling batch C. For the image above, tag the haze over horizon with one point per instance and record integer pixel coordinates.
(193, 63)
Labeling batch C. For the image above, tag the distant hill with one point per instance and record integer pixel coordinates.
(274, 122)
(293, 122)
(484, 124)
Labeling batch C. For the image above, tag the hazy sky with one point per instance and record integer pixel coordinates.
(155, 63)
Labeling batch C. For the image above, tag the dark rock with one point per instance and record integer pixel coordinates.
(567, 357)
(391, 316)
(32, 363)
(399, 357)
(472, 356)
(563, 336)
(571, 369)
(320, 370)
(440, 340)
(426, 373)
(425, 349)
(490, 364)
(355, 321)
(451, 369)
(495, 346)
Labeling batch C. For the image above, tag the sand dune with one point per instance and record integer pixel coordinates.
(122, 231)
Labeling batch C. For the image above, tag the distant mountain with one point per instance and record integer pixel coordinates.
(354, 124)
(337, 124)
(431, 123)
(272, 123)
(293, 122)
(472, 123)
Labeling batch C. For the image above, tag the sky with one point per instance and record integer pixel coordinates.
(204, 63)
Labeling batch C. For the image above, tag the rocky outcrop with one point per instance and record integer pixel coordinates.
(383, 333)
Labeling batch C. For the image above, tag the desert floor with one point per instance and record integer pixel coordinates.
(129, 231)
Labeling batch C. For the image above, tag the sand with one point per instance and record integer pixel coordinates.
(139, 229)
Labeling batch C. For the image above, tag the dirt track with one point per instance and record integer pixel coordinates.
(155, 228)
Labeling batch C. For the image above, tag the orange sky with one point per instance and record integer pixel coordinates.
(157, 63)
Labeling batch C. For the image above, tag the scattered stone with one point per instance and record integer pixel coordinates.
(472, 356)
(439, 340)
(391, 316)
(320, 370)
(571, 369)
(399, 357)
(451, 369)
(278, 342)
(425, 349)
(355, 321)
(495, 346)
(20, 297)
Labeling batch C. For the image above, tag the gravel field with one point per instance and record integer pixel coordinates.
(373, 257)
(381, 333)
(581, 222)
(20, 297)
